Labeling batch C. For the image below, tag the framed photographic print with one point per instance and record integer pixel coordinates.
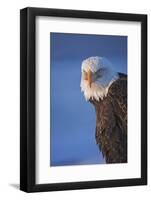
(83, 99)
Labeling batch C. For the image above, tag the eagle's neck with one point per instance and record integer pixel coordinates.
(101, 101)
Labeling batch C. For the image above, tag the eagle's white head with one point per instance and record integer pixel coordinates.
(97, 76)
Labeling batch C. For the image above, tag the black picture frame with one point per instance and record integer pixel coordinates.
(28, 99)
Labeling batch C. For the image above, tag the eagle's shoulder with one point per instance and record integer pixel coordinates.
(119, 87)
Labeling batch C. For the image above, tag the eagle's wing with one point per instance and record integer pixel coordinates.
(111, 125)
(118, 97)
(105, 125)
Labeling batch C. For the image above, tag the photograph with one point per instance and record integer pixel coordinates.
(88, 99)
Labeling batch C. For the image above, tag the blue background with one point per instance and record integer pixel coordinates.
(72, 134)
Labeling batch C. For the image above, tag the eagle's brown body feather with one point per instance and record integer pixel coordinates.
(111, 122)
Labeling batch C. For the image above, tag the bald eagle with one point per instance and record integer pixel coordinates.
(106, 89)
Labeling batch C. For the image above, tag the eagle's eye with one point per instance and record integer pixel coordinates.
(98, 74)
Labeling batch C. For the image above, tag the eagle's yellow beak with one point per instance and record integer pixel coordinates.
(89, 78)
